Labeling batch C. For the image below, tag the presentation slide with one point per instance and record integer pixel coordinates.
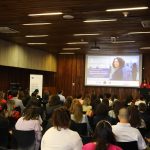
(114, 71)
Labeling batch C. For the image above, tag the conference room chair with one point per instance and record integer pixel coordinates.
(128, 145)
(25, 140)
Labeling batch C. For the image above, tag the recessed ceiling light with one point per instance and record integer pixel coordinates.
(71, 48)
(86, 34)
(36, 36)
(127, 9)
(36, 24)
(66, 53)
(68, 17)
(130, 33)
(119, 42)
(101, 20)
(46, 14)
(145, 48)
(36, 43)
(77, 43)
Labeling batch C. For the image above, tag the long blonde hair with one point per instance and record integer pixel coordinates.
(77, 112)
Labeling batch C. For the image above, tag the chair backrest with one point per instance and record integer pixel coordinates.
(128, 145)
(4, 135)
(81, 128)
(24, 139)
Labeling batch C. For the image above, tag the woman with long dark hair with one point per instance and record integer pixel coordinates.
(104, 138)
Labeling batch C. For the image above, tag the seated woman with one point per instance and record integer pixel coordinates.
(60, 137)
(78, 116)
(30, 121)
(104, 138)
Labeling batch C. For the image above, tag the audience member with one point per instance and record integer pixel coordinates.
(104, 138)
(125, 133)
(78, 116)
(30, 121)
(102, 114)
(62, 97)
(54, 102)
(18, 102)
(134, 118)
(60, 137)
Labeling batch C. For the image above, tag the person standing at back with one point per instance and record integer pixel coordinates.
(62, 97)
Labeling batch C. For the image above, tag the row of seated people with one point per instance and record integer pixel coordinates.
(90, 118)
(59, 136)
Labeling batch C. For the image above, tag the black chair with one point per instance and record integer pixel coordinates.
(25, 140)
(128, 145)
(81, 128)
(4, 137)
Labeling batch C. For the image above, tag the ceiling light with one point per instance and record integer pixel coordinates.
(36, 24)
(86, 34)
(103, 20)
(71, 48)
(77, 43)
(36, 36)
(119, 42)
(145, 48)
(127, 9)
(36, 43)
(66, 53)
(68, 17)
(46, 14)
(130, 33)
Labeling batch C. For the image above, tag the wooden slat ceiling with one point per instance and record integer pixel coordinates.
(14, 13)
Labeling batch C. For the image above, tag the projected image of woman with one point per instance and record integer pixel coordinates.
(117, 69)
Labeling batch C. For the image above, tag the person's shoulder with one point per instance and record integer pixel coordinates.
(89, 146)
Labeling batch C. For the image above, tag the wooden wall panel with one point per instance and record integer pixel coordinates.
(70, 69)
(19, 75)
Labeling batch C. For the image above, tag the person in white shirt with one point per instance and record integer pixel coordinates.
(60, 137)
(125, 133)
(62, 98)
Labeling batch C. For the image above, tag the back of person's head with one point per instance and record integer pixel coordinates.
(87, 101)
(74, 101)
(107, 95)
(77, 112)
(60, 91)
(103, 135)
(61, 118)
(134, 116)
(54, 100)
(21, 94)
(123, 115)
(102, 110)
(106, 102)
(142, 107)
(68, 102)
(36, 91)
(14, 93)
(79, 96)
(117, 106)
(31, 113)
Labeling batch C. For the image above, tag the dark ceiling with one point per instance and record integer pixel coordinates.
(14, 13)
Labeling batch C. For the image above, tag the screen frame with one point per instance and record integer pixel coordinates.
(140, 71)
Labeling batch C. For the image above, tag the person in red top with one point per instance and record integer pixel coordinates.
(104, 136)
(3, 102)
(144, 84)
